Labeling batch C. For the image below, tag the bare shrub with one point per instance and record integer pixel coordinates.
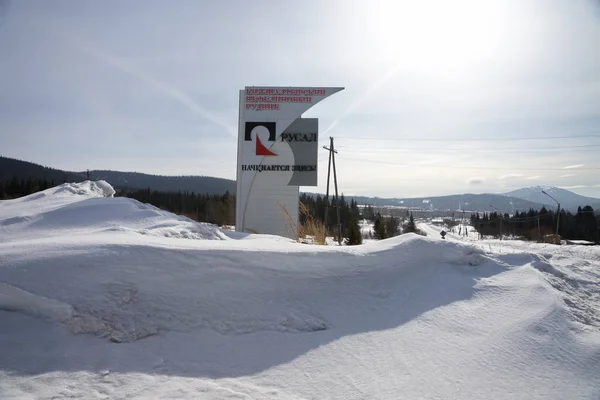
(313, 229)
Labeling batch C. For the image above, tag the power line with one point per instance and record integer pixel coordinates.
(475, 152)
(475, 149)
(447, 139)
(466, 167)
(567, 146)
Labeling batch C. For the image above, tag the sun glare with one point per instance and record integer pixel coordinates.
(440, 38)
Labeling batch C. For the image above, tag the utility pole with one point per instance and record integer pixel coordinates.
(87, 174)
(539, 231)
(557, 210)
(337, 197)
(327, 189)
(557, 218)
(332, 153)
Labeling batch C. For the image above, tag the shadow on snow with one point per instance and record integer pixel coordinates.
(216, 314)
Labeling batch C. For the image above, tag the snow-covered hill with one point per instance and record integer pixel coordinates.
(566, 198)
(84, 207)
(104, 297)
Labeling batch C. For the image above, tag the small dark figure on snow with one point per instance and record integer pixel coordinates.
(443, 233)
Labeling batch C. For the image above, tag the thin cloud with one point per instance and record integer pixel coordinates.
(573, 166)
(580, 186)
(476, 181)
(158, 85)
(534, 177)
(366, 95)
(567, 175)
(509, 176)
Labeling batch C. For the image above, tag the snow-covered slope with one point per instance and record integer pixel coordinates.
(566, 198)
(90, 206)
(96, 301)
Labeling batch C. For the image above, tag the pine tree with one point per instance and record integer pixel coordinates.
(587, 224)
(369, 213)
(410, 226)
(354, 235)
(391, 226)
(379, 228)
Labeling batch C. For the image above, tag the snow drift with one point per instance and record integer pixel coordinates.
(91, 205)
(15, 299)
(99, 302)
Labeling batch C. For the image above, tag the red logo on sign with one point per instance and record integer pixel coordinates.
(261, 149)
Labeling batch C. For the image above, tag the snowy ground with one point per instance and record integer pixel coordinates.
(105, 297)
(573, 270)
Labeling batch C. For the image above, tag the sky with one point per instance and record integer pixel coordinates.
(440, 97)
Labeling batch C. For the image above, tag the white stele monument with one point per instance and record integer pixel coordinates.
(277, 153)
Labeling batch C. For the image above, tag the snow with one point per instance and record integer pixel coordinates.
(579, 242)
(105, 297)
(365, 226)
(573, 270)
(15, 299)
(81, 207)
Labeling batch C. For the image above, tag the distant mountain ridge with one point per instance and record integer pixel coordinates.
(136, 180)
(567, 199)
(455, 202)
(10, 167)
(517, 200)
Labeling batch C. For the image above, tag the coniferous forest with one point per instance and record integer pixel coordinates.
(13, 188)
(216, 209)
(534, 224)
(220, 210)
(349, 211)
(211, 208)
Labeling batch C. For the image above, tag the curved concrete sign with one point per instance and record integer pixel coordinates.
(277, 153)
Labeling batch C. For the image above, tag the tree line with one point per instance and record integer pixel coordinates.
(349, 212)
(350, 215)
(23, 170)
(316, 206)
(211, 208)
(216, 209)
(220, 209)
(13, 188)
(536, 224)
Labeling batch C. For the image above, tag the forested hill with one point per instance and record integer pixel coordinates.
(195, 184)
(23, 170)
(469, 202)
(11, 169)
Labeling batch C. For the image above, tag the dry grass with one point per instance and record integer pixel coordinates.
(312, 229)
(552, 239)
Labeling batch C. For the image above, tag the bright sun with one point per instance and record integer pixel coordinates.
(442, 38)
